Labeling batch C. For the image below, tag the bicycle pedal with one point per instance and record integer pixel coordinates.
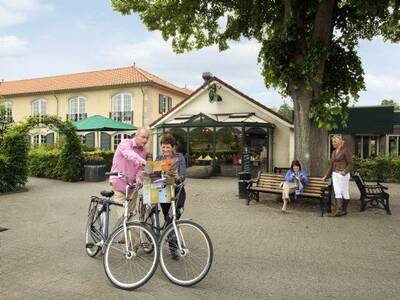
(90, 245)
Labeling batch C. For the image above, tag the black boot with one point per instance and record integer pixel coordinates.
(345, 204)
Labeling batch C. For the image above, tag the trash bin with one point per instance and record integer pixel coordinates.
(244, 179)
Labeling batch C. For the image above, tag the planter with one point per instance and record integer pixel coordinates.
(94, 173)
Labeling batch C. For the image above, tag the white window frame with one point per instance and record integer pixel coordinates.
(119, 103)
(79, 102)
(42, 107)
(119, 136)
(39, 139)
(8, 107)
(363, 136)
(166, 104)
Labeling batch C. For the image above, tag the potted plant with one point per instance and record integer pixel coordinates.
(95, 168)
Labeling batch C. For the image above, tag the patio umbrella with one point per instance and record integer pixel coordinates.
(100, 123)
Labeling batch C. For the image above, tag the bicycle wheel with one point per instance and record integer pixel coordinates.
(133, 268)
(190, 266)
(94, 229)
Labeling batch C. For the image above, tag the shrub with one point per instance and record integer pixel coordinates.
(106, 155)
(381, 168)
(13, 151)
(44, 162)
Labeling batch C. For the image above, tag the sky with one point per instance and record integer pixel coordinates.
(42, 37)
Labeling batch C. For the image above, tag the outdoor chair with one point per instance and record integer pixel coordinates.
(372, 195)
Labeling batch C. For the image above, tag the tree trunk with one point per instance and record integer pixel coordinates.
(311, 143)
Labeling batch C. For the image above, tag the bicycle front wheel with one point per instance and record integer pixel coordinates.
(190, 265)
(130, 268)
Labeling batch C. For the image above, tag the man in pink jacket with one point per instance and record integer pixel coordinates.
(129, 158)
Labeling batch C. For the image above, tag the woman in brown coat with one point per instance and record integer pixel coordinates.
(341, 165)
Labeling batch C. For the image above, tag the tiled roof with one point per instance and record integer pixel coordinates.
(94, 79)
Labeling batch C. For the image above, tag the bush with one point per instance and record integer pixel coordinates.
(106, 155)
(44, 162)
(14, 153)
(381, 168)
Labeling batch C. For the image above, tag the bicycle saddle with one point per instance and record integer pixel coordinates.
(107, 194)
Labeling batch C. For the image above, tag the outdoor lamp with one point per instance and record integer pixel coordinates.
(212, 93)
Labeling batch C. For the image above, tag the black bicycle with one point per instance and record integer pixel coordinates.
(127, 262)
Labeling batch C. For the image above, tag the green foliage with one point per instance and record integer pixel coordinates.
(381, 168)
(14, 148)
(107, 156)
(391, 103)
(5, 183)
(43, 162)
(286, 111)
(308, 48)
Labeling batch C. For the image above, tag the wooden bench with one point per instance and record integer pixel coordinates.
(270, 183)
(372, 195)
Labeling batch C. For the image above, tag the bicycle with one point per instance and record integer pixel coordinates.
(127, 262)
(191, 247)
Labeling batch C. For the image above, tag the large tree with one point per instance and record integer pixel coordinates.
(308, 49)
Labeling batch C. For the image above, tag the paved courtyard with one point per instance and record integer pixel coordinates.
(259, 253)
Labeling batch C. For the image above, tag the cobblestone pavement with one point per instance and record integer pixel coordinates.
(259, 253)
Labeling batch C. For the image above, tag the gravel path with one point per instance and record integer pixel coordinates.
(259, 253)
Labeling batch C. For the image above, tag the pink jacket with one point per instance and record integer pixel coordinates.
(130, 160)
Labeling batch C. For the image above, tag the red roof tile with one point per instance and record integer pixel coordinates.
(94, 79)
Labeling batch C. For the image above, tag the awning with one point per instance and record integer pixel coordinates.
(97, 123)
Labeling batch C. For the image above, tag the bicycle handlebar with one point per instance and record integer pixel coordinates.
(112, 173)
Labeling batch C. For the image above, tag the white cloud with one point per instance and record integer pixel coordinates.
(380, 81)
(236, 66)
(11, 45)
(18, 11)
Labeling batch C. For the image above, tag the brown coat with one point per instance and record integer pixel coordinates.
(341, 161)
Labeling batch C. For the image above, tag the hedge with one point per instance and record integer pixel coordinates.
(381, 168)
(13, 152)
(44, 161)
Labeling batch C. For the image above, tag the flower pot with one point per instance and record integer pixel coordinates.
(94, 173)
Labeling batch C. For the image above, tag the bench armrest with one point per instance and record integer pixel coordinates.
(251, 182)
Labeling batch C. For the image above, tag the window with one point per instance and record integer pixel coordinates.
(39, 139)
(122, 108)
(118, 138)
(39, 107)
(7, 105)
(164, 103)
(77, 108)
(83, 139)
(366, 146)
(394, 145)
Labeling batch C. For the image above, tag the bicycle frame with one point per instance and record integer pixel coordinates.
(155, 215)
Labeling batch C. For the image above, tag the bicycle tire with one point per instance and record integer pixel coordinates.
(94, 225)
(115, 253)
(193, 238)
